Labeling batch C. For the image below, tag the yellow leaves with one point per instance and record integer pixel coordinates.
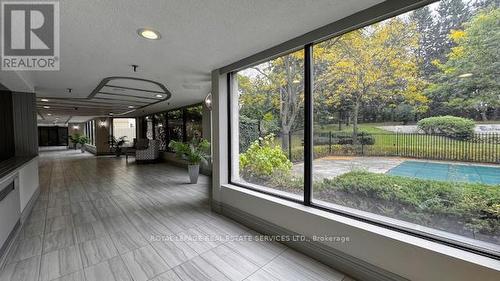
(456, 35)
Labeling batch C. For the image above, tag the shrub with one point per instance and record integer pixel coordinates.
(476, 205)
(450, 126)
(263, 159)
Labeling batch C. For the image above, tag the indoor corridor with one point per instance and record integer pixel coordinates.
(99, 218)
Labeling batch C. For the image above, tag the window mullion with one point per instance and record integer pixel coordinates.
(308, 123)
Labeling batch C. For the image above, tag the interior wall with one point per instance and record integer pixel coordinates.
(25, 124)
(102, 133)
(74, 128)
(7, 126)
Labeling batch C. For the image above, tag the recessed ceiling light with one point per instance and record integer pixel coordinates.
(159, 96)
(131, 106)
(149, 33)
(46, 107)
(48, 114)
(44, 100)
(111, 113)
(465, 75)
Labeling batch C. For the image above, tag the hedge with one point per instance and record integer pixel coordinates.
(450, 126)
(477, 205)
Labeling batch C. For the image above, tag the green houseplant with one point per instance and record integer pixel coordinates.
(194, 152)
(81, 140)
(116, 144)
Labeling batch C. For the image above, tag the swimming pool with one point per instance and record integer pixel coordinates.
(447, 172)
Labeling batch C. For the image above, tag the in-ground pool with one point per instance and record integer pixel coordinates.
(447, 172)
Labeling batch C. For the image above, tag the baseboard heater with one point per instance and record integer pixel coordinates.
(10, 212)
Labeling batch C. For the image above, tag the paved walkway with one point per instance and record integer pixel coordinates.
(333, 166)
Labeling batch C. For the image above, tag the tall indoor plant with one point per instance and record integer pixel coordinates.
(116, 144)
(82, 140)
(194, 153)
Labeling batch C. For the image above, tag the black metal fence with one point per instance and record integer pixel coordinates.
(478, 147)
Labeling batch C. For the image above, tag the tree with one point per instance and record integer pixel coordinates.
(451, 15)
(469, 78)
(283, 80)
(373, 65)
(424, 24)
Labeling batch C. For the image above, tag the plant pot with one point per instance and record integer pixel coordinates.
(194, 172)
(118, 152)
(82, 148)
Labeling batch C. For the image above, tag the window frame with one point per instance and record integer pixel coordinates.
(374, 219)
(166, 123)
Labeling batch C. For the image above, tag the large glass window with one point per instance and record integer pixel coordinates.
(150, 127)
(194, 117)
(160, 129)
(175, 123)
(125, 127)
(405, 124)
(268, 132)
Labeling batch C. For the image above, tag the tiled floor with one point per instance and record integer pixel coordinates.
(101, 219)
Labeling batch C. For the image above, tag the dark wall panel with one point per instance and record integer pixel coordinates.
(7, 147)
(25, 124)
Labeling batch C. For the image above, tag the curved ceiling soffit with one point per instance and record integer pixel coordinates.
(138, 97)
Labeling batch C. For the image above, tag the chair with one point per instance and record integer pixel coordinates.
(147, 150)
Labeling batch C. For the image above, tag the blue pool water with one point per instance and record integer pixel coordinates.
(447, 172)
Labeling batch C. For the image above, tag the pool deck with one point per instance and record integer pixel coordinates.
(332, 166)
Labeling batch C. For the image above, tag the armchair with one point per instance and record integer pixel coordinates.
(147, 150)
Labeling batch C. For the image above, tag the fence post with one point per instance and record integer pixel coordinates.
(330, 142)
(397, 143)
(362, 144)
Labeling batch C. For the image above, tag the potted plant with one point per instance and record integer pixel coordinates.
(74, 139)
(194, 153)
(82, 140)
(116, 144)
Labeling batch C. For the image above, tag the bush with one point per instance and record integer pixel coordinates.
(263, 159)
(476, 205)
(450, 126)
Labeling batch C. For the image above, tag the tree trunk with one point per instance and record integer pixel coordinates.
(284, 139)
(483, 116)
(355, 112)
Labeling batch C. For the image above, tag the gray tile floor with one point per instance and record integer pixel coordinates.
(104, 220)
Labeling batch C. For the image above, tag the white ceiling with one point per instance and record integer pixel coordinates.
(99, 39)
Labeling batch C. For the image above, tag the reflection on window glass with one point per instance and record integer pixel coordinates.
(160, 130)
(193, 122)
(149, 127)
(268, 148)
(395, 103)
(175, 125)
(125, 127)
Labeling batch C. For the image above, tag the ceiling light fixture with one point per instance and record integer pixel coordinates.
(48, 114)
(159, 96)
(465, 75)
(69, 90)
(149, 33)
(44, 100)
(46, 107)
(131, 106)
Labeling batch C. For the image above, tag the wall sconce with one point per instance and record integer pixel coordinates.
(208, 101)
(76, 127)
(102, 123)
